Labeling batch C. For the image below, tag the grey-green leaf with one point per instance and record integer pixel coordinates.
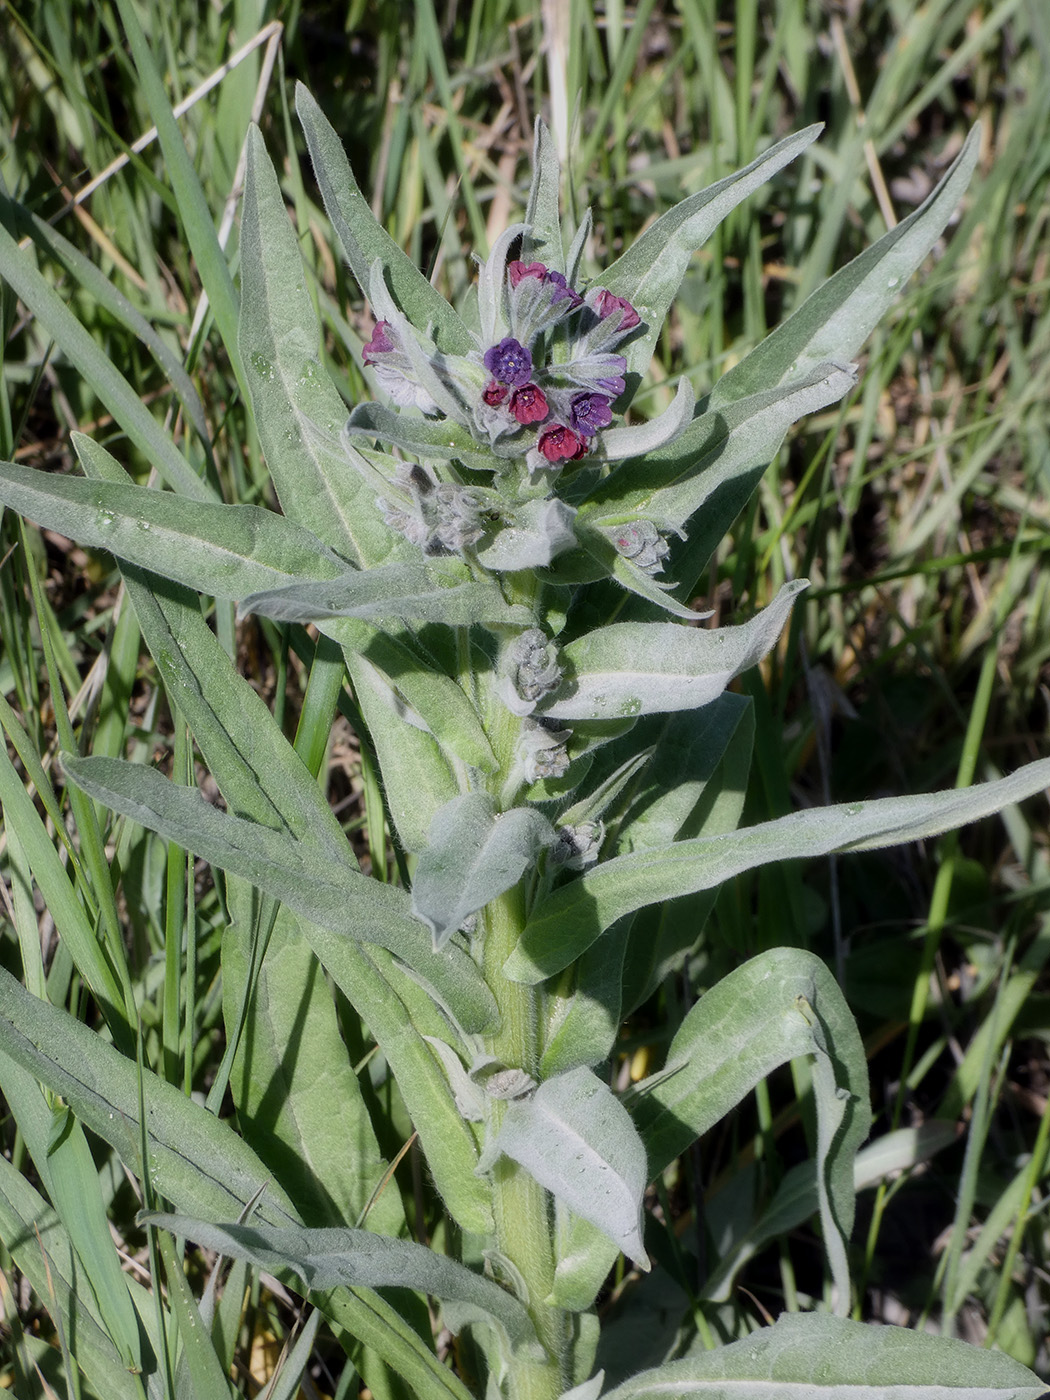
(309, 881)
(576, 1139)
(636, 668)
(391, 590)
(834, 322)
(364, 240)
(329, 1258)
(621, 443)
(571, 918)
(820, 1357)
(474, 854)
(650, 272)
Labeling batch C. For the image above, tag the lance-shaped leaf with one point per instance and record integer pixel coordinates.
(820, 1357)
(577, 1140)
(835, 321)
(309, 881)
(474, 855)
(227, 551)
(777, 1007)
(330, 1258)
(538, 533)
(365, 240)
(722, 452)
(640, 668)
(298, 410)
(543, 241)
(621, 443)
(391, 590)
(571, 918)
(651, 271)
(421, 437)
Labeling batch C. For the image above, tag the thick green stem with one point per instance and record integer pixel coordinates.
(521, 1207)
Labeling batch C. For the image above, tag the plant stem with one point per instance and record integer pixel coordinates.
(520, 1205)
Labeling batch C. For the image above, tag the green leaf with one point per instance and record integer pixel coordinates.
(421, 437)
(641, 668)
(365, 241)
(337, 897)
(640, 438)
(41, 1249)
(543, 240)
(357, 1259)
(777, 1007)
(537, 532)
(417, 777)
(328, 1162)
(196, 1161)
(227, 551)
(833, 1358)
(390, 590)
(834, 322)
(298, 410)
(571, 918)
(650, 272)
(473, 855)
(577, 1140)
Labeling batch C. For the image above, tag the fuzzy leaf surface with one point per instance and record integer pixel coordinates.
(310, 882)
(636, 668)
(650, 272)
(820, 1357)
(576, 1139)
(227, 551)
(571, 918)
(474, 855)
(329, 1258)
(390, 590)
(292, 394)
(834, 322)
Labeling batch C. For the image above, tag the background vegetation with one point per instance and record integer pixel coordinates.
(920, 510)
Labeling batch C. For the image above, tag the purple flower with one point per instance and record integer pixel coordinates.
(380, 344)
(562, 290)
(517, 270)
(559, 444)
(607, 305)
(589, 413)
(528, 404)
(613, 384)
(509, 362)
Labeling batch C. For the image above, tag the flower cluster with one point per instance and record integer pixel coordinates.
(543, 386)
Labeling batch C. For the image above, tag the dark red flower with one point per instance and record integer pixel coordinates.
(494, 393)
(560, 444)
(606, 305)
(528, 404)
(518, 270)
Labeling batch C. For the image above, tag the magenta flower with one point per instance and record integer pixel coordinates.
(509, 362)
(518, 270)
(560, 444)
(380, 344)
(528, 404)
(607, 305)
(590, 413)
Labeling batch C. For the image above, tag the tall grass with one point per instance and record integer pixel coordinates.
(920, 509)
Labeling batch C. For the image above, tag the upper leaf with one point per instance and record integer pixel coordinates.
(475, 854)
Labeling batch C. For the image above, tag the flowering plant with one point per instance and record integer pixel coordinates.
(504, 567)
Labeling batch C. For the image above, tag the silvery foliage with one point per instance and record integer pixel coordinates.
(506, 564)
